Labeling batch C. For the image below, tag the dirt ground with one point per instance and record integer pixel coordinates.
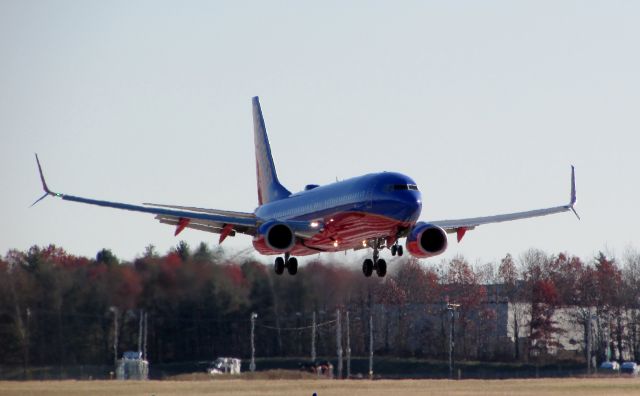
(575, 387)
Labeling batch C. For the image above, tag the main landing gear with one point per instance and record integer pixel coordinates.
(378, 264)
(288, 262)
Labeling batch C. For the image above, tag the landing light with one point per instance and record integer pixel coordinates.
(364, 243)
(314, 224)
(335, 244)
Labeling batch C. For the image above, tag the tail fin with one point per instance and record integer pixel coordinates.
(269, 188)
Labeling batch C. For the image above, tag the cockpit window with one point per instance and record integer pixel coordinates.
(401, 187)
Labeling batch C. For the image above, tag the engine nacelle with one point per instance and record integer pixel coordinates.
(277, 236)
(426, 240)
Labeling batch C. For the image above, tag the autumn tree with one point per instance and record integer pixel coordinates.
(542, 295)
(630, 297)
(610, 326)
(58, 309)
(107, 257)
(183, 250)
(544, 328)
(513, 290)
(463, 287)
(392, 297)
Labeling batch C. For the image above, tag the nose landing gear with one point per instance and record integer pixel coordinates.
(396, 249)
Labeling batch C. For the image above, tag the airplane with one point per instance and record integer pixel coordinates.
(373, 211)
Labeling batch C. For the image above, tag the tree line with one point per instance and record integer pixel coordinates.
(60, 309)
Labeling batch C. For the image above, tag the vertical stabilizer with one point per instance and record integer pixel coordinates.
(269, 188)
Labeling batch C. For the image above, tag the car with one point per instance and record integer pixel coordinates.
(610, 367)
(322, 368)
(224, 365)
(630, 368)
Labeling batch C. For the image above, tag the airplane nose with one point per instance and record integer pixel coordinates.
(412, 204)
(417, 208)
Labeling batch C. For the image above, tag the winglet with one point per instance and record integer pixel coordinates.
(573, 192)
(44, 184)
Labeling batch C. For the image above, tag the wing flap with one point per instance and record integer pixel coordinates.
(213, 227)
(219, 212)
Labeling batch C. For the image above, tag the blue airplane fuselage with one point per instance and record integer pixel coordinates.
(350, 211)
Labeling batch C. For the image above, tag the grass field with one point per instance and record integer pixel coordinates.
(572, 386)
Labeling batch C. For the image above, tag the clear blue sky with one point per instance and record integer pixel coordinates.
(484, 104)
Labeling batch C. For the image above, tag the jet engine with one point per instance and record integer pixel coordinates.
(278, 237)
(426, 240)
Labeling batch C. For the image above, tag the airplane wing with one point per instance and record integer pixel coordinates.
(460, 226)
(225, 223)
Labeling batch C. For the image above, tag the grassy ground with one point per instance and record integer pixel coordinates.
(581, 387)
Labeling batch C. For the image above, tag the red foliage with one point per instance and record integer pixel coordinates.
(391, 294)
(419, 285)
(97, 271)
(73, 262)
(463, 286)
(587, 291)
(608, 279)
(128, 287)
(545, 292)
(235, 275)
(50, 253)
(543, 327)
(566, 277)
(168, 268)
(172, 262)
(507, 272)
(330, 285)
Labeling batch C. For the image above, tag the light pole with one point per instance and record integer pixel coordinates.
(588, 346)
(300, 347)
(115, 334)
(313, 338)
(26, 349)
(140, 323)
(252, 365)
(146, 330)
(348, 347)
(339, 344)
(370, 345)
(452, 309)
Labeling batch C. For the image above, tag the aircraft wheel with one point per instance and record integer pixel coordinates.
(381, 268)
(394, 249)
(292, 266)
(400, 251)
(367, 267)
(279, 265)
